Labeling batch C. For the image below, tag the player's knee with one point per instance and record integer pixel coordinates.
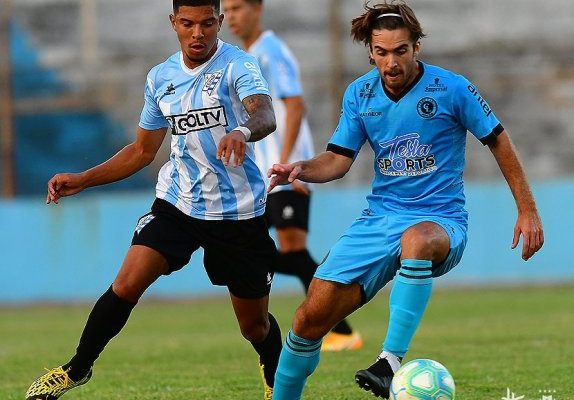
(254, 331)
(309, 324)
(125, 290)
(423, 243)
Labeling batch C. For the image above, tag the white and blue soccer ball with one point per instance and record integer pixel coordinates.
(422, 379)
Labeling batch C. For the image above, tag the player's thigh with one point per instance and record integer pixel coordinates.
(240, 255)
(141, 267)
(457, 233)
(291, 239)
(367, 253)
(169, 232)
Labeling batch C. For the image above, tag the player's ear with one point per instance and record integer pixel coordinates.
(417, 48)
(221, 18)
(371, 58)
(172, 20)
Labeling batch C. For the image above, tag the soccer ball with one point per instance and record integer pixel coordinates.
(422, 380)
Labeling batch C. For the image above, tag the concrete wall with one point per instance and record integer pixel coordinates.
(71, 252)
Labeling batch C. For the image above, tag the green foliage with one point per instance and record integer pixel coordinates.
(489, 339)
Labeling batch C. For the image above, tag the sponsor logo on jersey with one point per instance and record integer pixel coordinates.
(255, 74)
(436, 87)
(197, 120)
(427, 107)
(371, 113)
(367, 91)
(485, 107)
(406, 156)
(211, 81)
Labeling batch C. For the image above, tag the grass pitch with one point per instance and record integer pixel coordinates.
(491, 340)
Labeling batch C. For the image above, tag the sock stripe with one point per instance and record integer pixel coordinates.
(303, 350)
(429, 268)
(425, 276)
(302, 345)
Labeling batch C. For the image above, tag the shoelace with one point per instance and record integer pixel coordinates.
(57, 377)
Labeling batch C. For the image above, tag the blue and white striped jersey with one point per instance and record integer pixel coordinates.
(280, 69)
(200, 106)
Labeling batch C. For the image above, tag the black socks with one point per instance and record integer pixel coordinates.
(298, 263)
(108, 317)
(269, 350)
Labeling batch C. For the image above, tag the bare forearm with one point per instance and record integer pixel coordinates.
(295, 110)
(261, 120)
(324, 167)
(507, 158)
(124, 163)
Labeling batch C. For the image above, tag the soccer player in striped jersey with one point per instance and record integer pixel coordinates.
(287, 206)
(213, 100)
(415, 116)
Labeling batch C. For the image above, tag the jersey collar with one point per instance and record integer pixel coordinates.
(396, 99)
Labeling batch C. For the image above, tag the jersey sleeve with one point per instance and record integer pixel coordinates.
(247, 78)
(350, 135)
(474, 113)
(283, 73)
(151, 117)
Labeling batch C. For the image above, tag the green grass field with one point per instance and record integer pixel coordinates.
(490, 339)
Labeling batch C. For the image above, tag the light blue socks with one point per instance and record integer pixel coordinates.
(298, 360)
(409, 297)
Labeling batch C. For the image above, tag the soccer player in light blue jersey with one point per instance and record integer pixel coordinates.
(212, 99)
(415, 116)
(287, 206)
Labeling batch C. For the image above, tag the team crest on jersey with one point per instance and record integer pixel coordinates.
(211, 81)
(197, 120)
(427, 107)
(406, 156)
(367, 91)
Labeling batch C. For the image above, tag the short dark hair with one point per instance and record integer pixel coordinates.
(195, 3)
(362, 26)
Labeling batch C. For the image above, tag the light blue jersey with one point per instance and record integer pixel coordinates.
(200, 106)
(418, 139)
(280, 69)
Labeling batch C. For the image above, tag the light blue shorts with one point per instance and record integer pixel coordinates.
(369, 251)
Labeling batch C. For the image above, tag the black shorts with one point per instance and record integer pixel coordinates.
(238, 254)
(286, 209)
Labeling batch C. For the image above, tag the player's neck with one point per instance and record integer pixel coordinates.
(252, 38)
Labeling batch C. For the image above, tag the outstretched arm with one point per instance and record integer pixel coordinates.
(124, 163)
(324, 167)
(528, 223)
(261, 123)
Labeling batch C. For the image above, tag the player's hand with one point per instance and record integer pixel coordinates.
(63, 185)
(232, 143)
(282, 174)
(300, 187)
(529, 225)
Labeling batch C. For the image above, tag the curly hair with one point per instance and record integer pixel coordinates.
(195, 3)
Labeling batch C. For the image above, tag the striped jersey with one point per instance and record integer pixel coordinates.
(280, 69)
(418, 138)
(200, 106)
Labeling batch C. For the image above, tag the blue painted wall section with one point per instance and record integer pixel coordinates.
(72, 251)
